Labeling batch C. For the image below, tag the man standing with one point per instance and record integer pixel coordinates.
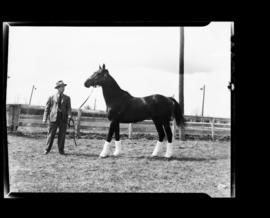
(58, 109)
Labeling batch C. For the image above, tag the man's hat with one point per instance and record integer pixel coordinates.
(60, 83)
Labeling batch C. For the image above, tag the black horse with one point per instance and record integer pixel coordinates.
(124, 108)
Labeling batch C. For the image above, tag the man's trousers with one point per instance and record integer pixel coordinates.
(60, 123)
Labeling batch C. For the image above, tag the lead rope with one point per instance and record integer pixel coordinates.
(74, 132)
(87, 98)
(72, 121)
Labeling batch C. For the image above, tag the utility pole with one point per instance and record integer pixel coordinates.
(95, 104)
(181, 80)
(32, 94)
(203, 88)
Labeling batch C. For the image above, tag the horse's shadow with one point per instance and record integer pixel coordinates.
(193, 158)
(176, 158)
(158, 158)
(81, 154)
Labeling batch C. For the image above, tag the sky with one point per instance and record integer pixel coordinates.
(143, 61)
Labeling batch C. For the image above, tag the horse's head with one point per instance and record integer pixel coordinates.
(98, 78)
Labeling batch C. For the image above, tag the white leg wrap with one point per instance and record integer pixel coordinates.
(169, 151)
(106, 149)
(157, 149)
(118, 148)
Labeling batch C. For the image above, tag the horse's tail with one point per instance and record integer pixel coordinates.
(178, 113)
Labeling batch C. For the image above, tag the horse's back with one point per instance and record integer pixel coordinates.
(157, 99)
(148, 107)
(155, 105)
(159, 106)
(136, 111)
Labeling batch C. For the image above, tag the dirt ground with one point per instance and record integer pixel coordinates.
(197, 166)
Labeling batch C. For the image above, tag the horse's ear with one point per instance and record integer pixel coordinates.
(103, 66)
(99, 67)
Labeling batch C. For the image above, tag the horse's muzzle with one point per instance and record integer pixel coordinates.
(87, 84)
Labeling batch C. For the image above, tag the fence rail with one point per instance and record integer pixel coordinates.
(23, 116)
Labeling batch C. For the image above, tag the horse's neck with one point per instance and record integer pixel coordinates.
(111, 91)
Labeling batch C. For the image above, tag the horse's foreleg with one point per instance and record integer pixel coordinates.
(169, 151)
(117, 131)
(118, 146)
(111, 131)
(106, 147)
(161, 136)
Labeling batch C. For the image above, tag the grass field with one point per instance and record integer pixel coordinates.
(197, 166)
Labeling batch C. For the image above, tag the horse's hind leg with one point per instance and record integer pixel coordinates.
(161, 136)
(118, 146)
(169, 150)
(168, 131)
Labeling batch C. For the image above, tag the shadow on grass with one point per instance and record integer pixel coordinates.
(81, 154)
(159, 158)
(176, 158)
(192, 158)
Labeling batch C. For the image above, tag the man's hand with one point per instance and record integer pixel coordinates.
(44, 121)
(69, 119)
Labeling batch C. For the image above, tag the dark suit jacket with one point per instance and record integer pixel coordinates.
(52, 106)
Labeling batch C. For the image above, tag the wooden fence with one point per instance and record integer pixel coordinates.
(22, 117)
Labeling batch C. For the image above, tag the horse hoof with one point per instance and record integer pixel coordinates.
(102, 157)
(116, 154)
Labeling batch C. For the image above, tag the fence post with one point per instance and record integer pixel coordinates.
(130, 129)
(17, 112)
(9, 116)
(13, 116)
(78, 123)
(213, 128)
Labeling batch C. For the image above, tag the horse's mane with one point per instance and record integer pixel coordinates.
(127, 93)
(124, 92)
